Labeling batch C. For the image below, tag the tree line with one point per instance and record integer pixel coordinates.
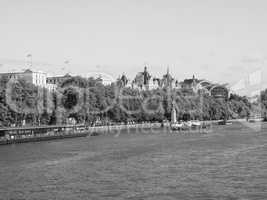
(89, 101)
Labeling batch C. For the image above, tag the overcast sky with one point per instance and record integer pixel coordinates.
(220, 40)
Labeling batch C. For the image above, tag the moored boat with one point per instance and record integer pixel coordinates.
(41, 133)
(176, 126)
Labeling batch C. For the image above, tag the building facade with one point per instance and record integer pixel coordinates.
(219, 92)
(57, 80)
(142, 80)
(37, 78)
(167, 81)
(190, 84)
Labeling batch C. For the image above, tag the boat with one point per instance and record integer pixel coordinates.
(224, 122)
(185, 125)
(188, 124)
(176, 126)
(196, 124)
(41, 133)
(254, 120)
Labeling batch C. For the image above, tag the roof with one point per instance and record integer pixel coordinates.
(28, 71)
(188, 81)
(67, 75)
(212, 86)
(22, 72)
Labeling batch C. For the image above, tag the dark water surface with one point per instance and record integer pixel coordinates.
(228, 163)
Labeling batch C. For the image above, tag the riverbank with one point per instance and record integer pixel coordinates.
(36, 134)
(124, 127)
(43, 133)
(41, 138)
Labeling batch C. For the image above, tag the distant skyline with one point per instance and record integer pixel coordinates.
(223, 41)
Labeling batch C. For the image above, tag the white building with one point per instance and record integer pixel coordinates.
(37, 78)
(106, 79)
(51, 87)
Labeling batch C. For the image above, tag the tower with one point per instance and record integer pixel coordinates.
(146, 78)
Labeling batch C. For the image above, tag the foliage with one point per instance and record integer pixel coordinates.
(94, 101)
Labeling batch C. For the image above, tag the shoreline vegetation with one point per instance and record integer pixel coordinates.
(88, 101)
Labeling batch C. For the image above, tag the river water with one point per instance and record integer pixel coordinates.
(230, 163)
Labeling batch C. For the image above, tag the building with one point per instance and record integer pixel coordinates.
(167, 81)
(51, 87)
(219, 91)
(122, 81)
(190, 84)
(57, 80)
(105, 79)
(142, 80)
(52, 82)
(37, 78)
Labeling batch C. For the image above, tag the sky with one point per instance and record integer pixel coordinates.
(224, 41)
